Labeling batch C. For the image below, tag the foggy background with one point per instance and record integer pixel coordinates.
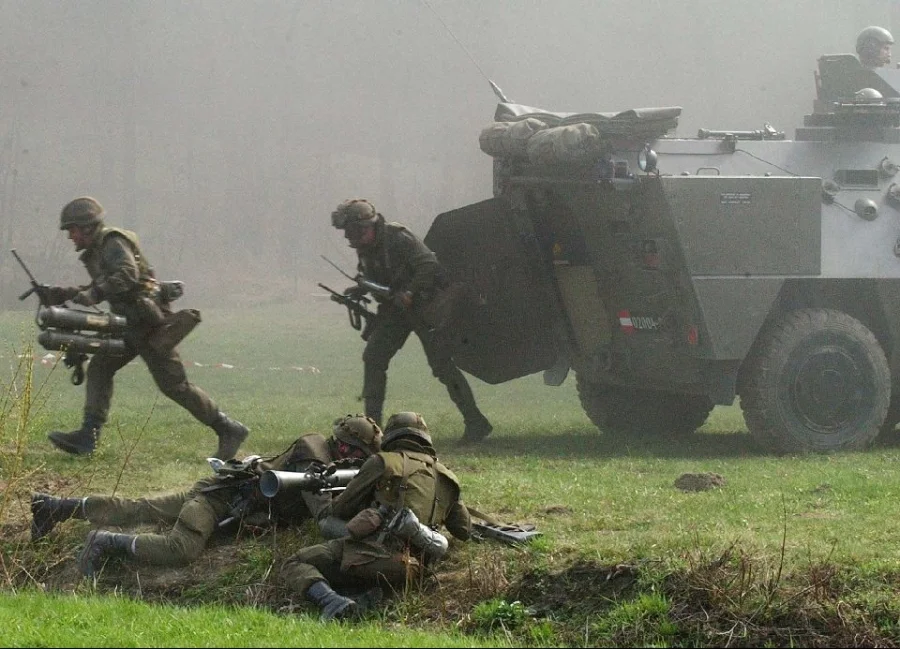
(225, 131)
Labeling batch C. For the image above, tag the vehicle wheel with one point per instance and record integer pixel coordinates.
(631, 411)
(816, 380)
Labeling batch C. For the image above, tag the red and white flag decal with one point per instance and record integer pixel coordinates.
(625, 322)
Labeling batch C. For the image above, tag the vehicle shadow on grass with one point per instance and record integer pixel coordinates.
(589, 442)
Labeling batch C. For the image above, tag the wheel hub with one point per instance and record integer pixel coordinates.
(829, 390)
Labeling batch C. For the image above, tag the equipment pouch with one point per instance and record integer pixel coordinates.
(365, 523)
(174, 328)
(144, 313)
(170, 291)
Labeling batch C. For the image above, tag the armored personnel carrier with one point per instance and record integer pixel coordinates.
(674, 274)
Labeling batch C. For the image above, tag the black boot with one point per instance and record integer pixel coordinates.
(100, 544)
(47, 511)
(232, 434)
(477, 428)
(333, 606)
(79, 442)
(373, 410)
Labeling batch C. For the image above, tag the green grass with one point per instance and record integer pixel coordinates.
(31, 619)
(599, 500)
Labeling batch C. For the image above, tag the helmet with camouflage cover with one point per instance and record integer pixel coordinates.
(406, 425)
(359, 431)
(869, 44)
(82, 211)
(357, 210)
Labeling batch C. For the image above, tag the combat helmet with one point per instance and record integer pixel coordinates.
(82, 211)
(359, 431)
(356, 210)
(870, 41)
(406, 425)
(868, 94)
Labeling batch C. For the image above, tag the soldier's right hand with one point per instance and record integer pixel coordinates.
(54, 295)
(355, 292)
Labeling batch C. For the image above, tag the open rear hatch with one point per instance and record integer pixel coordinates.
(507, 305)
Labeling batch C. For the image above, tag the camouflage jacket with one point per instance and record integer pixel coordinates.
(399, 260)
(119, 271)
(407, 476)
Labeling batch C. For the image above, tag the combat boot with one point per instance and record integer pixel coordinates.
(100, 544)
(79, 442)
(334, 606)
(232, 434)
(373, 411)
(47, 511)
(477, 428)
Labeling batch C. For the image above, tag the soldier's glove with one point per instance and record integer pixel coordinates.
(355, 292)
(43, 291)
(54, 295)
(86, 297)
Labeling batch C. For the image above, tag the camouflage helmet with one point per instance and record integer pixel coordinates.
(406, 425)
(359, 431)
(406, 420)
(81, 211)
(357, 210)
(873, 35)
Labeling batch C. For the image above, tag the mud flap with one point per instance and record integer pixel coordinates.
(503, 318)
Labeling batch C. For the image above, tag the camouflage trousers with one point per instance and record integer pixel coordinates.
(167, 371)
(193, 514)
(349, 564)
(391, 330)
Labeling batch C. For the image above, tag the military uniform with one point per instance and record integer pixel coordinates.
(409, 475)
(402, 262)
(195, 514)
(121, 275)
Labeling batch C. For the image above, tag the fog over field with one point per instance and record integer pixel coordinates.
(225, 131)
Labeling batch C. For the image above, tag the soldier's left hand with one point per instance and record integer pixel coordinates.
(85, 298)
(403, 299)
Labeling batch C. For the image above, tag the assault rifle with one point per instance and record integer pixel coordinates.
(490, 528)
(356, 311)
(365, 285)
(64, 329)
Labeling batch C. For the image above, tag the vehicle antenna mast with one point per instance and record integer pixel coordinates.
(494, 86)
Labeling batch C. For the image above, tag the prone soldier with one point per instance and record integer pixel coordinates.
(198, 512)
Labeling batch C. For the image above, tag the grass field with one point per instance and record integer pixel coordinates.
(795, 550)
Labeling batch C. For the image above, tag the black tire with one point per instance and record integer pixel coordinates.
(816, 380)
(634, 412)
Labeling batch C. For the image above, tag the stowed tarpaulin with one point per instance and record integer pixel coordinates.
(543, 137)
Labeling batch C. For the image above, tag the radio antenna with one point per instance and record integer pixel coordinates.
(494, 86)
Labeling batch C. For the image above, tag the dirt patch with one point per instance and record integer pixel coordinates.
(585, 588)
(699, 481)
